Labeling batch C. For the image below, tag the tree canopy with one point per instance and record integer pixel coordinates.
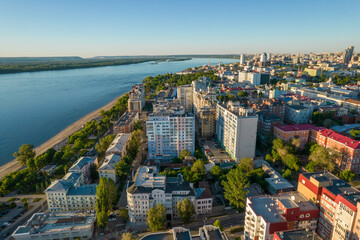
(25, 153)
(235, 187)
(156, 217)
(185, 210)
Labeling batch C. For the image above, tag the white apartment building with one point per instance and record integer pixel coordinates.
(168, 134)
(265, 215)
(70, 193)
(107, 168)
(185, 95)
(253, 78)
(236, 130)
(63, 195)
(61, 226)
(149, 189)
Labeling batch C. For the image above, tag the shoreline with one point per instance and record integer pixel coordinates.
(14, 165)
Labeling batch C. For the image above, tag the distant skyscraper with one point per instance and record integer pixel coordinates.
(219, 65)
(348, 54)
(242, 59)
(263, 57)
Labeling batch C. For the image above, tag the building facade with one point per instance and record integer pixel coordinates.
(266, 215)
(169, 134)
(185, 95)
(136, 100)
(236, 131)
(149, 189)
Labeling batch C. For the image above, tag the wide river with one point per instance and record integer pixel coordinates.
(36, 106)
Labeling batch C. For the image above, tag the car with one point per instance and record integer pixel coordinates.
(6, 224)
(112, 219)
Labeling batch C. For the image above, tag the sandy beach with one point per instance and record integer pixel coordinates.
(61, 136)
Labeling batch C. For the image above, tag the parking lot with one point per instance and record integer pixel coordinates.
(215, 153)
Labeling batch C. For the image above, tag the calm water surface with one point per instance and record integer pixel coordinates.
(36, 106)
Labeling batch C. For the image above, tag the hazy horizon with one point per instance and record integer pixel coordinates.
(87, 29)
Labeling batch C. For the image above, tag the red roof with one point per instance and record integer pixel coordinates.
(298, 127)
(354, 144)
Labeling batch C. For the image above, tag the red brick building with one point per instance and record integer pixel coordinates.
(302, 131)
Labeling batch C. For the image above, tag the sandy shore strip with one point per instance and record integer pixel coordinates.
(61, 136)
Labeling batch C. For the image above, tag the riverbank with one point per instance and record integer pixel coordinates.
(58, 138)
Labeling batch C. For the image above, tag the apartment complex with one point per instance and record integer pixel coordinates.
(207, 122)
(266, 215)
(71, 192)
(126, 123)
(303, 132)
(348, 148)
(339, 205)
(136, 100)
(62, 195)
(236, 129)
(61, 226)
(185, 95)
(254, 78)
(149, 189)
(169, 133)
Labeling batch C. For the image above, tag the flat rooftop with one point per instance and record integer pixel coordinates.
(301, 234)
(52, 223)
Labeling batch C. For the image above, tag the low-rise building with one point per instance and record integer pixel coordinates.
(303, 132)
(107, 168)
(203, 199)
(61, 226)
(82, 165)
(300, 234)
(64, 195)
(118, 145)
(49, 169)
(266, 215)
(275, 182)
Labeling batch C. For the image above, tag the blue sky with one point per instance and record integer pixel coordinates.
(90, 28)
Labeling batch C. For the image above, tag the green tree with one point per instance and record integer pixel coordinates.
(185, 210)
(103, 145)
(242, 94)
(287, 174)
(103, 202)
(138, 125)
(217, 223)
(25, 153)
(112, 191)
(184, 153)
(127, 236)
(30, 163)
(347, 175)
(156, 217)
(246, 164)
(323, 158)
(122, 169)
(235, 186)
(216, 171)
(124, 213)
(12, 205)
(198, 167)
